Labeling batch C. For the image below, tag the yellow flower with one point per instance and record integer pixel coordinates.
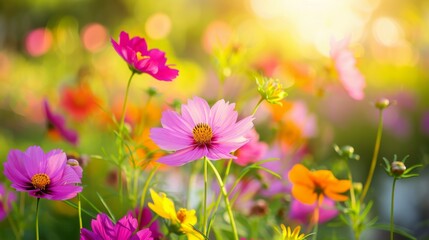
(270, 89)
(183, 219)
(288, 234)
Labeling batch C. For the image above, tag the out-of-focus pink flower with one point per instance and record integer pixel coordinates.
(142, 60)
(201, 131)
(42, 175)
(94, 37)
(146, 218)
(345, 65)
(38, 41)
(104, 228)
(6, 199)
(57, 126)
(425, 123)
(79, 101)
(252, 151)
(303, 212)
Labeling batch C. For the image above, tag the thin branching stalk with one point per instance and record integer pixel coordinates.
(79, 209)
(225, 196)
(257, 106)
(145, 188)
(374, 157)
(204, 221)
(392, 208)
(37, 218)
(121, 141)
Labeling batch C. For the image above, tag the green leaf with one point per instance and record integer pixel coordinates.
(107, 207)
(397, 230)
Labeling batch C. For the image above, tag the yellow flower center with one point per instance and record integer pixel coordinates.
(40, 180)
(140, 56)
(202, 133)
(181, 215)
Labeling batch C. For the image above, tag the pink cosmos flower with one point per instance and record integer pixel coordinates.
(201, 131)
(141, 60)
(49, 175)
(104, 229)
(303, 212)
(344, 62)
(6, 199)
(252, 151)
(146, 221)
(57, 126)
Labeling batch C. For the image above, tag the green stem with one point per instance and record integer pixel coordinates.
(316, 219)
(257, 106)
(204, 221)
(225, 196)
(374, 157)
(37, 218)
(121, 130)
(14, 228)
(146, 186)
(391, 208)
(216, 206)
(79, 207)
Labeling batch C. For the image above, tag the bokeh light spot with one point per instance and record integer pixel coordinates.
(38, 42)
(94, 37)
(158, 26)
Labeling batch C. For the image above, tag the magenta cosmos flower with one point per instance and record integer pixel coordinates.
(252, 151)
(49, 175)
(201, 131)
(344, 62)
(104, 229)
(304, 212)
(6, 200)
(141, 60)
(57, 126)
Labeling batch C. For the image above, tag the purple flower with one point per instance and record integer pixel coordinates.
(6, 199)
(141, 60)
(43, 175)
(201, 131)
(57, 126)
(104, 229)
(303, 212)
(145, 220)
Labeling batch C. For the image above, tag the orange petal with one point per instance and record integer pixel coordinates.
(341, 186)
(299, 174)
(304, 194)
(335, 196)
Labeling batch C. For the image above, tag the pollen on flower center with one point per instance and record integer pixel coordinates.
(202, 133)
(140, 56)
(181, 215)
(40, 180)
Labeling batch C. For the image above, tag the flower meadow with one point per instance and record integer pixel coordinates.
(239, 120)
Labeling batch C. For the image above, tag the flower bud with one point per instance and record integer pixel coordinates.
(397, 168)
(270, 89)
(357, 187)
(382, 103)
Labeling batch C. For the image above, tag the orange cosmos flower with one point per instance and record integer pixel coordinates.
(79, 101)
(308, 186)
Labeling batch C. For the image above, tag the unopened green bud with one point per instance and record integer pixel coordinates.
(382, 103)
(357, 187)
(397, 168)
(271, 89)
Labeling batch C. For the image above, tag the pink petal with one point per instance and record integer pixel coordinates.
(183, 156)
(222, 115)
(196, 111)
(35, 161)
(171, 120)
(170, 140)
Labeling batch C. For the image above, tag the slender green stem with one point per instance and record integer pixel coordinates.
(391, 208)
(374, 157)
(225, 196)
(37, 218)
(145, 188)
(121, 141)
(216, 206)
(79, 208)
(204, 221)
(257, 106)
(14, 228)
(316, 219)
